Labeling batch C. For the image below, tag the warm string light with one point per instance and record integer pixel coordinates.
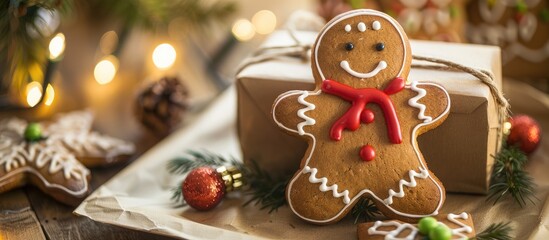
(34, 94)
(164, 56)
(105, 70)
(243, 30)
(57, 47)
(50, 95)
(263, 22)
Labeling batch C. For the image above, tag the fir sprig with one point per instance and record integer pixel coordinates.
(23, 41)
(194, 159)
(154, 14)
(261, 186)
(510, 178)
(498, 231)
(365, 209)
(266, 191)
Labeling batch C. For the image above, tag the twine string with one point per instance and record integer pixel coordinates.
(301, 51)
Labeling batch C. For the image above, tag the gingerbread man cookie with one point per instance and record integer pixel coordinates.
(361, 123)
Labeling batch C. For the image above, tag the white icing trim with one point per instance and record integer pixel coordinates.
(414, 102)
(508, 34)
(17, 155)
(414, 3)
(301, 113)
(380, 66)
(323, 186)
(353, 14)
(392, 235)
(376, 25)
(463, 228)
(361, 27)
(28, 169)
(362, 192)
(348, 28)
(412, 183)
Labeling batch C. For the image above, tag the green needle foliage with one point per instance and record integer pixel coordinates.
(23, 42)
(194, 159)
(153, 14)
(499, 231)
(509, 177)
(263, 189)
(365, 209)
(266, 191)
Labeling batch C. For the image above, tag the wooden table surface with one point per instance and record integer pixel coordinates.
(27, 213)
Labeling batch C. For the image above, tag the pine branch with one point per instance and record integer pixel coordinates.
(499, 231)
(23, 43)
(365, 209)
(177, 194)
(510, 178)
(265, 190)
(194, 159)
(154, 14)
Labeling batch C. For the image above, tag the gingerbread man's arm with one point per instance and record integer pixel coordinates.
(432, 100)
(289, 111)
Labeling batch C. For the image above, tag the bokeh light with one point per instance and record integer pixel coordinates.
(108, 42)
(34, 93)
(50, 95)
(164, 56)
(57, 46)
(106, 69)
(243, 30)
(264, 22)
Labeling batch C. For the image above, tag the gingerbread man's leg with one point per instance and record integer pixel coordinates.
(420, 184)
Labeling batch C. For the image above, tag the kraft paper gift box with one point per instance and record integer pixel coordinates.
(460, 151)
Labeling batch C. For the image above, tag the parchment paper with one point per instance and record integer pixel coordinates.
(139, 196)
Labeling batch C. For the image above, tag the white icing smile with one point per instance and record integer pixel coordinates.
(380, 66)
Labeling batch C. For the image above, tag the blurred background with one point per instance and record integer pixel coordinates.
(149, 65)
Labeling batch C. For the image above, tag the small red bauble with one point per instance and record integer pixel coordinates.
(203, 188)
(525, 133)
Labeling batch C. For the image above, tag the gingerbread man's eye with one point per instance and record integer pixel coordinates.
(380, 47)
(349, 46)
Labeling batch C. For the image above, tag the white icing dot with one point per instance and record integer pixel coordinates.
(347, 28)
(361, 27)
(376, 25)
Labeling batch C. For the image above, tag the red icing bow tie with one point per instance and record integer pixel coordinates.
(358, 112)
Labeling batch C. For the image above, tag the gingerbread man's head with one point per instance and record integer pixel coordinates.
(361, 49)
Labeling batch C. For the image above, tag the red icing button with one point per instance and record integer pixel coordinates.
(367, 116)
(367, 153)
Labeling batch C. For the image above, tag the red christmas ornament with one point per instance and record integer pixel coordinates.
(525, 133)
(205, 187)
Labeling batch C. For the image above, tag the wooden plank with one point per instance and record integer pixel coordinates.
(17, 219)
(59, 222)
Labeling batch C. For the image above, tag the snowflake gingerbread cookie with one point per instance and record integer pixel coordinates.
(53, 159)
(361, 124)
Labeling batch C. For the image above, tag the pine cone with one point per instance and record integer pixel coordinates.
(162, 105)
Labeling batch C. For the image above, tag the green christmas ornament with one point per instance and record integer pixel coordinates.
(544, 15)
(441, 232)
(33, 132)
(522, 7)
(427, 224)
